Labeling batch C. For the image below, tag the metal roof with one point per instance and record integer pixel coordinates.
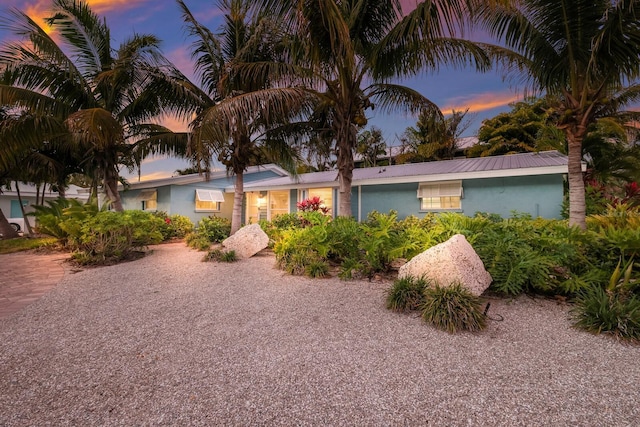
(195, 178)
(523, 164)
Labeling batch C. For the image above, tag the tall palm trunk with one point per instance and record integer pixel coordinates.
(238, 197)
(577, 205)
(346, 141)
(345, 176)
(111, 189)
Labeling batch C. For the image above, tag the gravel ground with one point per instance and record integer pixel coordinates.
(170, 340)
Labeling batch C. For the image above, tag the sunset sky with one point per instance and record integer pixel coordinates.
(484, 94)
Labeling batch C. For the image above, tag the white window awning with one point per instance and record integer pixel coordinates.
(209, 195)
(146, 195)
(443, 189)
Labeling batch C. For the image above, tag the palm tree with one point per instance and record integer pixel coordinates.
(347, 52)
(435, 137)
(91, 98)
(235, 113)
(585, 53)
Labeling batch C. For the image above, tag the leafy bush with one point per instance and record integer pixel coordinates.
(344, 236)
(196, 241)
(300, 248)
(215, 229)
(62, 218)
(406, 294)
(452, 309)
(221, 256)
(174, 226)
(317, 269)
(617, 313)
(181, 225)
(112, 236)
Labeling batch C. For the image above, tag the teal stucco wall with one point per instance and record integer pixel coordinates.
(540, 195)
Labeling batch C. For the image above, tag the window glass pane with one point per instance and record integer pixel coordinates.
(448, 202)
(278, 203)
(252, 207)
(150, 202)
(207, 206)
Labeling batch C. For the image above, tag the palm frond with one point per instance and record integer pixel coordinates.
(87, 36)
(392, 97)
(95, 127)
(206, 50)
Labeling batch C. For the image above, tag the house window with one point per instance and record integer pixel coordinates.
(278, 203)
(148, 199)
(440, 196)
(325, 195)
(208, 200)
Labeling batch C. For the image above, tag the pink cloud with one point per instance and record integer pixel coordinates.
(481, 101)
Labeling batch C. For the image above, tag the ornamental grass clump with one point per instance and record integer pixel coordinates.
(603, 312)
(406, 294)
(221, 256)
(453, 308)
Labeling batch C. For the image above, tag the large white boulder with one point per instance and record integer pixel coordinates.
(247, 241)
(453, 261)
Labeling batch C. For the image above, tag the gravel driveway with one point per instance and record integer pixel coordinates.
(170, 340)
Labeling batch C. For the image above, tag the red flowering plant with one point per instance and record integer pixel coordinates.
(313, 204)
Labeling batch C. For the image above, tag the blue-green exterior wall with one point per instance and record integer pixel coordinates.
(180, 199)
(539, 195)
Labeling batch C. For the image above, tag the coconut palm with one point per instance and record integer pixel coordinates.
(79, 90)
(233, 115)
(434, 137)
(585, 53)
(348, 52)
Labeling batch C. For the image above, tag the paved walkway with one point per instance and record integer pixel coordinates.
(26, 276)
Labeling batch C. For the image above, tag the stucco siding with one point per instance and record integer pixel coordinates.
(383, 198)
(539, 195)
(536, 195)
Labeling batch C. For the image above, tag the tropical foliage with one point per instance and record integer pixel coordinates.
(233, 113)
(74, 102)
(583, 53)
(434, 137)
(347, 52)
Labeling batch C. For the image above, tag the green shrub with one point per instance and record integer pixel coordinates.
(288, 220)
(63, 218)
(174, 226)
(112, 236)
(317, 269)
(380, 242)
(221, 256)
(344, 236)
(616, 313)
(181, 225)
(452, 309)
(196, 241)
(215, 229)
(406, 294)
(301, 247)
(350, 268)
